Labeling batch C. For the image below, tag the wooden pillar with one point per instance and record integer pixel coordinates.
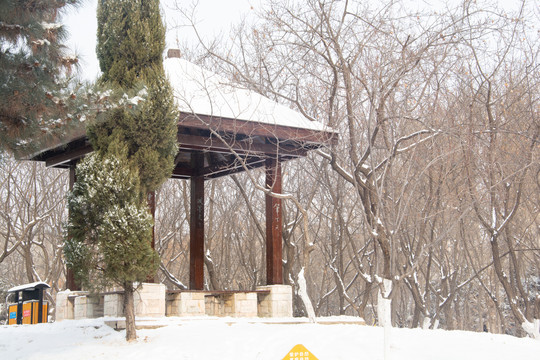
(274, 214)
(196, 227)
(70, 276)
(151, 201)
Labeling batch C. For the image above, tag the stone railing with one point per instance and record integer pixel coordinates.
(154, 300)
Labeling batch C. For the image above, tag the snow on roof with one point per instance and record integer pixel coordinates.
(30, 286)
(203, 92)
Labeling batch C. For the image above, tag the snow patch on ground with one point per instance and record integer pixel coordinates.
(249, 339)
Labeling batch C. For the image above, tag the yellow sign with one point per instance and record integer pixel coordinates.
(299, 352)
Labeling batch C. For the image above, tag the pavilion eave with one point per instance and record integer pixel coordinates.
(233, 145)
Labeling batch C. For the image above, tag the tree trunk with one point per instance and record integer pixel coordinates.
(129, 311)
(212, 273)
(384, 303)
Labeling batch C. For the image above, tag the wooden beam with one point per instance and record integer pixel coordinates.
(232, 167)
(213, 144)
(196, 227)
(274, 215)
(182, 172)
(68, 155)
(253, 128)
(222, 168)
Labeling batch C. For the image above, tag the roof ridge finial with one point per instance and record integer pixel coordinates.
(174, 53)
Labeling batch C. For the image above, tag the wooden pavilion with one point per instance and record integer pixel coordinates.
(222, 130)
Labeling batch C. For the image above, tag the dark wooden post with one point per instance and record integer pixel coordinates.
(70, 276)
(40, 305)
(274, 270)
(151, 201)
(196, 227)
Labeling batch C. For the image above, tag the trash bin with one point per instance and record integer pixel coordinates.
(29, 306)
(12, 311)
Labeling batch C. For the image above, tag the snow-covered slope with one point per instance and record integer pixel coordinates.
(213, 338)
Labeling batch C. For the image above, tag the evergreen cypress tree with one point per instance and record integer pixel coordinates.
(131, 42)
(112, 239)
(32, 71)
(109, 229)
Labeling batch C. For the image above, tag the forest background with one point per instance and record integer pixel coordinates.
(434, 185)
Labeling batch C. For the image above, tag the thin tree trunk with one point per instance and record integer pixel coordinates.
(129, 311)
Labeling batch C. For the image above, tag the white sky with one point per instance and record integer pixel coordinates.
(212, 16)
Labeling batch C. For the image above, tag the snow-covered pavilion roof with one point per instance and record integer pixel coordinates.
(221, 120)
(203, 92)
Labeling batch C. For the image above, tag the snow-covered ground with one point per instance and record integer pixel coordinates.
(227, 338)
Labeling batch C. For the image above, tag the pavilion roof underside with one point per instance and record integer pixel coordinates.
(229, 146)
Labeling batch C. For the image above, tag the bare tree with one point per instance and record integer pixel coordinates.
(500, 151)
(32, 212)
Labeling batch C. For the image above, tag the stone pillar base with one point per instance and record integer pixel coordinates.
(88, 307)
(149, 301)
(240, 304)
(65, 304)
(279, 303)
(113, 304)
(185, 304)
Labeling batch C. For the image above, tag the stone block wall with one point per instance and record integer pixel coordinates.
(65, 304)
(185, 304)
(278, 303)
(88, 306)
(150, 300)
(213, 305)
(113, 304)
(240, 304)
